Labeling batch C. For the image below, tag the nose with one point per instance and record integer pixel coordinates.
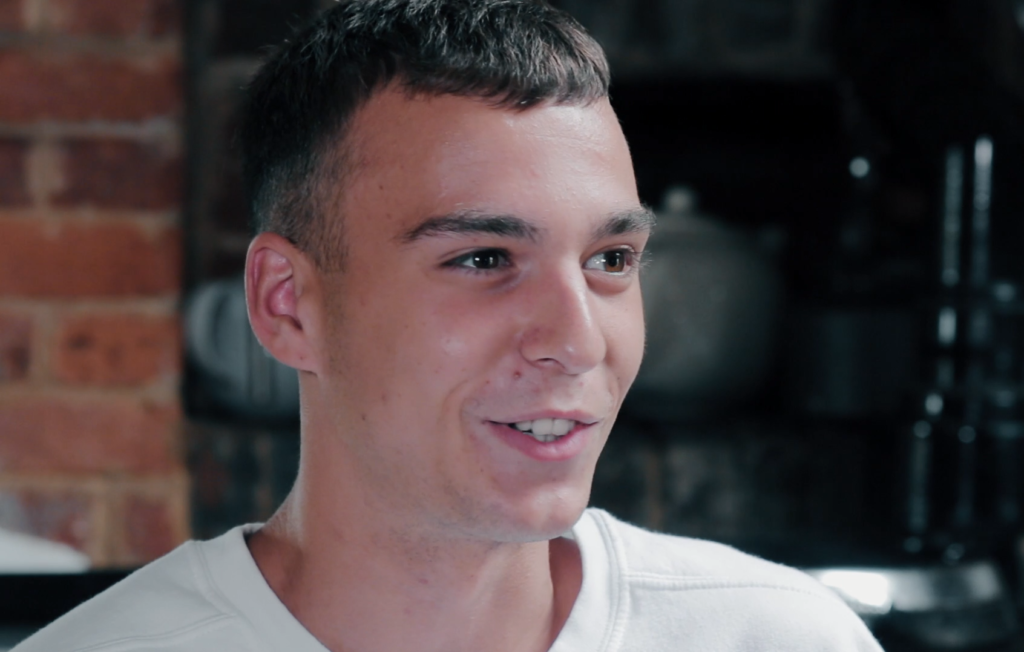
(563, 330)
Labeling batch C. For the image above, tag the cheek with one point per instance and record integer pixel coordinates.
(626, 340)
(366, 334)
(455, 347)
(462, 342)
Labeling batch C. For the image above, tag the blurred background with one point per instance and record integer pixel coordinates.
(835, 320)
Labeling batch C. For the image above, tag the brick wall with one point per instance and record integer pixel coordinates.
(90, 266)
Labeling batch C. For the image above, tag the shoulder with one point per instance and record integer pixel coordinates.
(170, 604)
(714, 595)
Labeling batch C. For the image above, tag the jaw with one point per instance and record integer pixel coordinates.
(453, 477)
(542, 516)
(525, 499)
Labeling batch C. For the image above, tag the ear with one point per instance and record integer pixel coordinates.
(281, 295)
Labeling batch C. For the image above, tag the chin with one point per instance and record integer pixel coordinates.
(544, 517)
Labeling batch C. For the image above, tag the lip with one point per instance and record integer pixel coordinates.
(584, 418)
(562, 449)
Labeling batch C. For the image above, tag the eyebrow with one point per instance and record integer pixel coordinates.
(473, 222)
(633, 220)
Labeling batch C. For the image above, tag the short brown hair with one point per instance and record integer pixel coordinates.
(513, 53)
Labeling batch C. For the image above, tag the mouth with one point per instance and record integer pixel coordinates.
(548, 439)
(545, 430)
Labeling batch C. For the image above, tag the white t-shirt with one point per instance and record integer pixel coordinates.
(641, 592)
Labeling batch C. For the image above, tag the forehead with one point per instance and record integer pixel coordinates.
(417, 156)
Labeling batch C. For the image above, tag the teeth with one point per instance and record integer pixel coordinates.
(542, 427)
(561, 427)
(545, 430)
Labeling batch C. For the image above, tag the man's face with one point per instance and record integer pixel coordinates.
(490, 280)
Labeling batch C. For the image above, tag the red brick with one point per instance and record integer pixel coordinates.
(82, 259)
(11, 15)
(117, 349)
(109, 434)
(211, 477)
(119, 174)
(13, 186)
(15, 346)
(40, 86)
(131, 18)
(63, 514)
(151, 523)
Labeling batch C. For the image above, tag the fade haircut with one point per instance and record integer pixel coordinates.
(513, 54)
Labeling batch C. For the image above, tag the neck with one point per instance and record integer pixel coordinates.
(362, 583)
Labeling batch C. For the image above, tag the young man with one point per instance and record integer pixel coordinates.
(449, 246)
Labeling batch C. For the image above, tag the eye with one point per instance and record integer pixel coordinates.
(482, 260)
(614, 261)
